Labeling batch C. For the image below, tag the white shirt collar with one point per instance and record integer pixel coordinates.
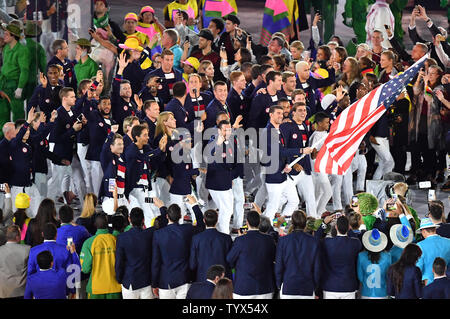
(211, 281)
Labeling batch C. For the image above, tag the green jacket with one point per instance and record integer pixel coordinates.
(38, 59)
(85, 70)
(356, 9)
(16, 66)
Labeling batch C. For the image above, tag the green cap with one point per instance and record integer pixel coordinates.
(32, 29)
(367, 203)
(82, 42)
(12, 28)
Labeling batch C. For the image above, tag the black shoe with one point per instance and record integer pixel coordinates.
(411, 180)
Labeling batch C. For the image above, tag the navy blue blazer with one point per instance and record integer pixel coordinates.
(259, 110)
(47, 284)
(297, 264)
(40, 146)
(170, 253)
(182, 174)
(98, 131)
(120, 109)
(220, 173)
(411, 286)
(46, 98)
(200, 290)
(339, 258)
(184, 114)
(253, 255)
(212, 109)
(133, 262)
(63, 133)
(5, 161)
(443, 230)
(168, 80)
(297, 137)
(21, 159)
(238, 103)
(208, 248)
(438, 289)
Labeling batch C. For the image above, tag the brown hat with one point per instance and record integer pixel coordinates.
(32, 29)
(12, 28)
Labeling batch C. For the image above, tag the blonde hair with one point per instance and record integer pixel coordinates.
(400, 188)
(90, 201)
(160, 126)
(298, 45)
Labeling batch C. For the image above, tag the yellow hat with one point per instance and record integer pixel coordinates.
(323, 73)
(132, 43)
(131, 16)
(22, 201)
(194, 62)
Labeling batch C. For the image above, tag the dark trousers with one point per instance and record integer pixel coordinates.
(423, 159)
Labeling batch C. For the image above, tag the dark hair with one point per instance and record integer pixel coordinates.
(223, 289)
(137, 131)
(246, 66)
(137, 217)
(101, 221)
(326, 50)
(219, 83)
(246, 56)
(18, 123)
(66, 214)
(275, 107)
(439, 266)
(210, 217)
(20, 216)
(64, 92)
(253, 218)
(118, 222)
(264, 68)
(179, 89)
(264, 224)
(280, 60)
(219, 23)
(44, 259)
(298, 219)
(219, 113)
(157, 222)
(256, 71)
(233, 18)
(408, 258)
(436, 210)
(46, 214)
(174, 213)
(12, 232)
(374, 257)
(271, 76)
(49, 230)
(320, 116)
(222, 123)
(215, 271)
(342, 225)
(264, 59)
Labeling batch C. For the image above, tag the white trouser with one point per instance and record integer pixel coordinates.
(224, 201)
(263, 296)
(60, 181)
(185, 207)
(31, 191)
(261, 194)
(282, 296)
(359, 164)
(339, 295)
(179, 292)
(276, 191)
(150, 210)
(40, 180)
(336, 186)
(108, 204)
(95, 176)
(252, 172)
(239, 200)
(347, 187)
(385, 160)
(202, 192)
(77, 178)
(85, 165)
(305, 186)
(323, 191)
(162, 187)
(142, 293)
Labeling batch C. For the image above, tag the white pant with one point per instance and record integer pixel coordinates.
(60, 181)
(239, 200)
(178, 199)
(179, 292)
(31, 191)
(224, 201)
(161, 187)
(339, 295)
(150, 210)
(85, 165)
(276, 192)
(263, 296)
(347, 187)
(108, 204)
(77, 178)
(359, 164)
(336, 186)
(282, 296)
(95, 176)
(323, 191)
(305, 186)
(385, 160)
(40, 180)
(142, 293)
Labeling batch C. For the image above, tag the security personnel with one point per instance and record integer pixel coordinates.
(297, 134)
(219, 174)
(183, 112)
(121, 102)
(114, 171)
(259, 110)
(168, 75)
(13, 74)
(219, 103)
(61, 52)
(140, 159)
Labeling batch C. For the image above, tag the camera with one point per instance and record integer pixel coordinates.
(149, 200)
(159, 80)
(80, 118)
(355, 201)
(243, 229)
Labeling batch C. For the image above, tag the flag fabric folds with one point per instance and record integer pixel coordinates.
(278, 17)
(217, 9)
(348, 130)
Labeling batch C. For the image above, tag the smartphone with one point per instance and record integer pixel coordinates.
(186, 39)
(354, 201)
(248, 206)
(390, 205)
(425, 184)
(149, 200)
(243, 229)
(275, 221)
(222, 47)
(386, 26)
(431, 194)
(100, 66)
(69, 241)
(111, 184)
(2, 188)
(80, 118)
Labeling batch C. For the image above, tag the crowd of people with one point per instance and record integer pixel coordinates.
(144, 129)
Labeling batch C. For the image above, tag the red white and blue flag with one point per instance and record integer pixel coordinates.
(348, 130)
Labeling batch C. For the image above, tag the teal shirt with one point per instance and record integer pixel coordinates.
(372, 276)
(177, 52)
(432, 247)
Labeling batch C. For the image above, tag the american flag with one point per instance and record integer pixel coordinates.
(348, 130)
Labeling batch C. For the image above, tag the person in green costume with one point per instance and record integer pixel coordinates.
(327, 9)
(355, 17)
(397, 7)
(38, 57)
(367, 205)
(86, 68)
(13, 75)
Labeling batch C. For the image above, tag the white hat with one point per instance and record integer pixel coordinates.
(401, 235)
(375, 241)
(327, 101)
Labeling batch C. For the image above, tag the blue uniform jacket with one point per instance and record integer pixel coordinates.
(297, 136)
(411, 285)
(170, 253)
(438, 289)
(22, 159)
(211, 112)
(168, 80)
(120, 108)
(339, 258)
(201, 290)
(77, 232)
(208, 248)
(253, 256)
(63, 134)
(297, 264)
(184, 114)
(40, 146)
(259, 110)
(47, 284)
(219, 174)
(46, 98)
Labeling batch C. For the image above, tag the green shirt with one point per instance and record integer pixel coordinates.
(38, 59)
(16, 65)
(85, 70)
